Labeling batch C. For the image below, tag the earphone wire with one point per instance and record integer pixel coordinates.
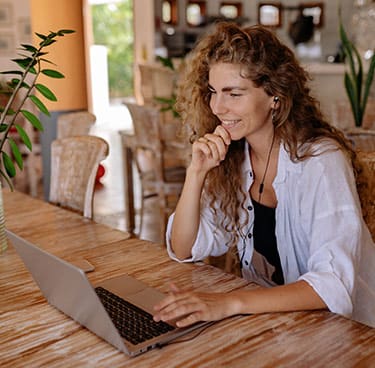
(261, 187)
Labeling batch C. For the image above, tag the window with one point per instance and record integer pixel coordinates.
(315, 10)
(269, 14)
(230, 10)
(195, 13)
(169, 12)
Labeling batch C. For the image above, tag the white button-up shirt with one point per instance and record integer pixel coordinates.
(320, 232)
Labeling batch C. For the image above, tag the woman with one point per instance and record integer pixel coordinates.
(269, 179)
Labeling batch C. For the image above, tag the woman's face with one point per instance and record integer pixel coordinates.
(243, 109)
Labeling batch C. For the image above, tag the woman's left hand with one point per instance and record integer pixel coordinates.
(188, 307)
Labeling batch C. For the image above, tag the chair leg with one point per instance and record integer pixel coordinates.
(141, 211)
(144, 197)
(163, 217)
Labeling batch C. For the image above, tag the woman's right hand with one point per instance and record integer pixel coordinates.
(208, 151)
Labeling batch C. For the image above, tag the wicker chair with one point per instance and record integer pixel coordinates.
(74, 164)
(366, 188)
(160, 175)
(156, 81)
(74, 124)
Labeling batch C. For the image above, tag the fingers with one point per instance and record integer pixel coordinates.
(223, 133)
(215, 145)
(172, 298)
(189, 320)
(185, 307)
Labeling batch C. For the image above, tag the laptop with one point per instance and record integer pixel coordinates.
(106, 309)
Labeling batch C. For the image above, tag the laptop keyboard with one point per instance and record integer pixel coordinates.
(133, 323)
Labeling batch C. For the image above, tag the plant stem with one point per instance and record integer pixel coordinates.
(15, 93)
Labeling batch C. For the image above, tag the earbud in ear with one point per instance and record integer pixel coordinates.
(276, 99)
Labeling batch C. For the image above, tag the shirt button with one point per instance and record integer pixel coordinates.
(246, 263)
(250, 208)
(249, 235)
(251, 174)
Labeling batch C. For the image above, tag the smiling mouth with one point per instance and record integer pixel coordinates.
(229, 123)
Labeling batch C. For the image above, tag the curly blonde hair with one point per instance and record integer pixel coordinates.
(269, 64)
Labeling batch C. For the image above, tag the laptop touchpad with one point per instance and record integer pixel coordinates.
(134, 291)
(146, 299)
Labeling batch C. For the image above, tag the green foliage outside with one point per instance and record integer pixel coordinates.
(113, 28)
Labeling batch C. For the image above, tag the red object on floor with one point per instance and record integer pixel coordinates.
(100, 173)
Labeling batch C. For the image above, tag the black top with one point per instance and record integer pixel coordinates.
(265, 239)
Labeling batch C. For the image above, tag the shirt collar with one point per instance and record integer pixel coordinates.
(285, 164)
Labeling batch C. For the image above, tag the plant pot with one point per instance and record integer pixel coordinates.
(362, 139)
(342, 115)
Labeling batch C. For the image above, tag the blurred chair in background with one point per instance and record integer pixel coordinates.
(74, 165)
(366, 188)
(160, 170)
(156, 81)
(75, 124)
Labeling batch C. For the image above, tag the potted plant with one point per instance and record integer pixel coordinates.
(168, 103)
(21, 86)
(357, 82)
(18, 90)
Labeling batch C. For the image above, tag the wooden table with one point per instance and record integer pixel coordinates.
(34, 334)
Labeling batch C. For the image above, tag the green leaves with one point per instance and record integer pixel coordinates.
(167, 62)
(30, 62)
(32, 119)
(24, 137)
(52, 73)
(16, 153)
(8, 164)
(40, 105)
(46, 92)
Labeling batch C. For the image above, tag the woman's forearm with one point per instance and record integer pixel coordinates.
(291, 297)
(187, 215)
(188, 307)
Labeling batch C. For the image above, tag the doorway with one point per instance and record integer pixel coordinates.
(111, 56)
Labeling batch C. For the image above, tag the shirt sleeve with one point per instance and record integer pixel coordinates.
(332, 219)
(210, 240)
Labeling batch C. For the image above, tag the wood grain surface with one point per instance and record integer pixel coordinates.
(34, 334)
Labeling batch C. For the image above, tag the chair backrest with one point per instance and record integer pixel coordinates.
(149, 142)
(74, 164)
(158, 162)
(74, 124)
(156, 81)
(366, 188)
